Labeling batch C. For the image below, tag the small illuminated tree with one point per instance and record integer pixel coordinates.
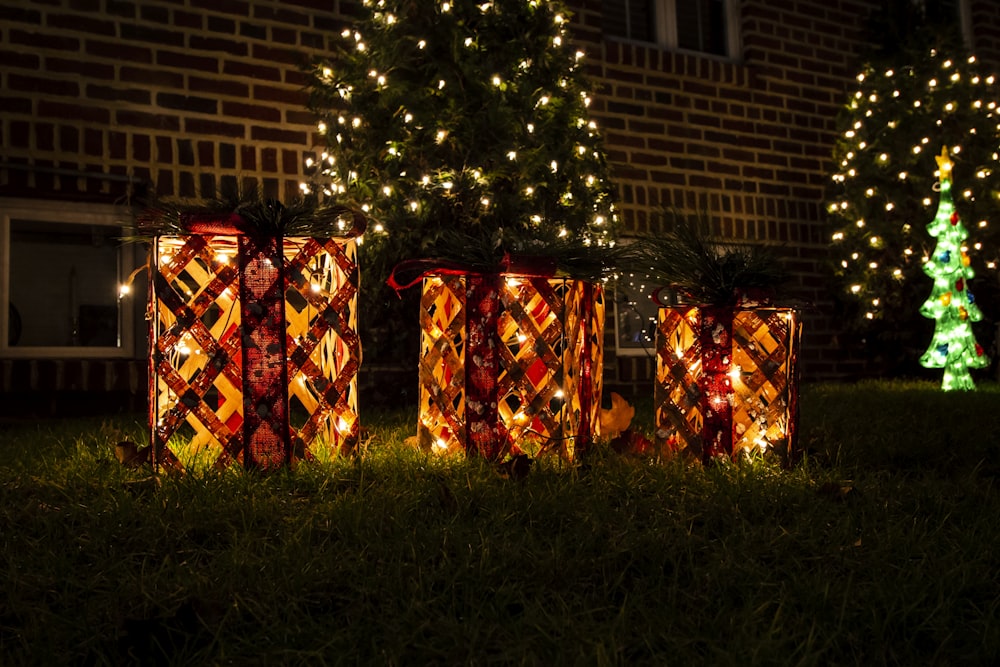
(951, 305)
(462, 128)
(466, 116)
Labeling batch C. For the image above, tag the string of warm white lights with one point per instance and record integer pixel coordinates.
(895, 123)
(458, 114)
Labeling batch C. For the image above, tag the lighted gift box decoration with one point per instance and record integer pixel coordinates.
(510, 363)
(727, 380)
(727, 361)
(254, 351)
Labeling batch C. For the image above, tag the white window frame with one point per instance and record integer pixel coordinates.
(74, 213)
(646, 348)
(965, 21)
(665, 29)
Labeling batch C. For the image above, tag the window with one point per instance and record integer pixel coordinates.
(635, 315)
(631, 19)
(61, 267)
(897, 26)
(703, 26)
(942, 13)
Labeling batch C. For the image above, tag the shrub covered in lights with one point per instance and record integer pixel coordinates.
(883, 190)
(466, 116)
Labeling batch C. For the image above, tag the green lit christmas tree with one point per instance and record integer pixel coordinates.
(951, 305)
(462, 128)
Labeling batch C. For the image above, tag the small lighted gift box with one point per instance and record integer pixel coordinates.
(254, 351)
(726, 380)
(510, 363)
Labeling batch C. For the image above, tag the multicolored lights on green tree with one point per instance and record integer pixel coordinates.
(951, 305)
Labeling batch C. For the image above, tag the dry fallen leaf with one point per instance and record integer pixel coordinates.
(616, 419)
(129, 454)
(516, 468)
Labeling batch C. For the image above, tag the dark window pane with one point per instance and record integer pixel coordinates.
(63, 284)
(941, 11)
(630, 19)
(701, 26)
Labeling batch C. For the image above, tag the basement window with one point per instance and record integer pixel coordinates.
(61, 271)
(635, 315)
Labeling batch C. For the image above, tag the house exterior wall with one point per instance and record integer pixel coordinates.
(103, 99)
(184, 98)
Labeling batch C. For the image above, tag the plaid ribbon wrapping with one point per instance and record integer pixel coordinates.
(244, 369)
(727, 380)
(506, 356)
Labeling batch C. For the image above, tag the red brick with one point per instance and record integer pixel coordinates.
(229, 46)
(297, 117)
(259, 112)
(278, 15)
(137, 32)
(231, 7)
(48, 42)
(269, 160)
(44, 136)
(132, 95)
(154, 77)
(15, 105)
(251, 71)
(214, 128)
(81, 68)
(192, 20)
(17, 59)
(265, 53)
(118, 51)
(278, 135)
(141, 148)
(80, 23)
(186, 61)
(93, 142)
(38, 84)
(153, 121)
(291, 162)
(219, 86)
(206, 154)
(11, 15)
(117, 145)
(191, 103)
(248, 158)
(69, 139)
(75, 112)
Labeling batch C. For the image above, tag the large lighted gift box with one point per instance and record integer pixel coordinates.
(254, 352)
(727, 380)
(726, 358)
(510, 363)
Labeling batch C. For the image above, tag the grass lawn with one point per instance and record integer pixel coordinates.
(882, 547)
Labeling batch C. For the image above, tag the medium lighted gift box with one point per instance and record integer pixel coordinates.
(254, 352)
(510, 363)
(726, 380)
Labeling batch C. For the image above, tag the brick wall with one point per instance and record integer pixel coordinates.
(985, 19)
(186, 97)
(101, 98)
